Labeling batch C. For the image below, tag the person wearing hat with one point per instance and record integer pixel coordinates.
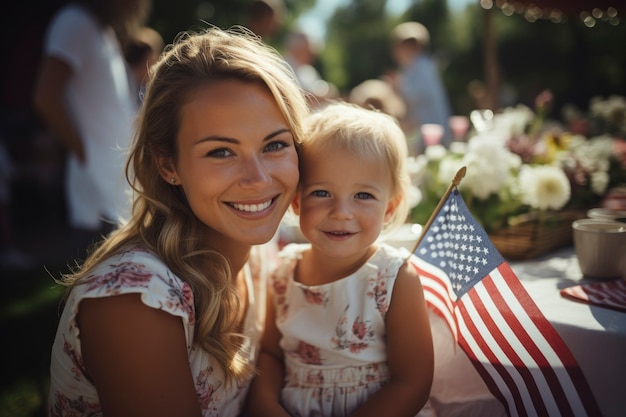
(419, 83)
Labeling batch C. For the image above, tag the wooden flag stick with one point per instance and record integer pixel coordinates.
(455, 182)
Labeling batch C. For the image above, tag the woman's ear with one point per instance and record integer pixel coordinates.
(167, 169)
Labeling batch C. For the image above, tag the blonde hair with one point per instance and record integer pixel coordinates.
(161, 218)
(368, 134)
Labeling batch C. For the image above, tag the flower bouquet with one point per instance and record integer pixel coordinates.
(526, 179)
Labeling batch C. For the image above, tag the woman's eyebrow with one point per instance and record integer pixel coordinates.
(217, 138)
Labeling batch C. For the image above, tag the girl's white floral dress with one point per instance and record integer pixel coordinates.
(333, 335)
(139, 271)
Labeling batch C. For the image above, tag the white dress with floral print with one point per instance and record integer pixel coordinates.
(333, 335)
(140, 271)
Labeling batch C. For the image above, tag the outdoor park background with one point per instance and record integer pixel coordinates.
(576, 61)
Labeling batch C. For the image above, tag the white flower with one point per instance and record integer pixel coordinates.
(448, 169)
(512, 121)
(458, 147)
(488, 165)
(544, 187)
(418, 169)
(435, 152)
(599, 182)
(414, 196)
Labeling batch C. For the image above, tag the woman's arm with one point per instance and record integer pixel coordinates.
(136, 357)
(409, 352)
(49, 100)
(264, 395)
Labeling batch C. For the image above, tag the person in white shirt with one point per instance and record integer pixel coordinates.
(84, 99)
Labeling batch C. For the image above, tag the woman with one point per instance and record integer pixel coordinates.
(164, 318)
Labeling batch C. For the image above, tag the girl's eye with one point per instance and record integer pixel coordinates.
(276, 146)
(320, 193)
(363, 196)
(219, 153)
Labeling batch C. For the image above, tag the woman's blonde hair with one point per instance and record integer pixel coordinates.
(161, 217)
(368, 134)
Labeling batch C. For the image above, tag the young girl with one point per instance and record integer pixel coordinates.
(347, 331)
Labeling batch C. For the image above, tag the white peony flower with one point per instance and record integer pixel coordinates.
(512, 121)
(489, 167)
(448, 169)
(599, 182)
(544, 187)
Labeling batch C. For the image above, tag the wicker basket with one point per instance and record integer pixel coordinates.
(531, 239)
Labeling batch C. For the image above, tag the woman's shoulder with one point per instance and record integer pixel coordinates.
(140, 271)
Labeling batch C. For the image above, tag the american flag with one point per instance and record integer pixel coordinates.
(610, 294)
(515, 349)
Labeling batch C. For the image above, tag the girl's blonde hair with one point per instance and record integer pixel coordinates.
(368, 134)
(161, 217)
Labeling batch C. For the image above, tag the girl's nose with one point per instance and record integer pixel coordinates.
(341, 210)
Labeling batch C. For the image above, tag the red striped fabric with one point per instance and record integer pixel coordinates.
(515, 349)
(609, 294)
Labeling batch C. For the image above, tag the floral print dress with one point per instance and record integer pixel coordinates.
(140, 271)
(333, 335)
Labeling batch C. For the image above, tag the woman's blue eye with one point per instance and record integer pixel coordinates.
(276, 145)
(219, 153)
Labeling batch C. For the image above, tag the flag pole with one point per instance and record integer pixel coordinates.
(460, 174)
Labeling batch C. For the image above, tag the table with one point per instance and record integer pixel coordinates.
(595, 335)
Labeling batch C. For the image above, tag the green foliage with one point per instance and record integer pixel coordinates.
(358, 42)
(574, 61)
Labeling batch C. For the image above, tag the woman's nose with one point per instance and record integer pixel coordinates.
(254, 173)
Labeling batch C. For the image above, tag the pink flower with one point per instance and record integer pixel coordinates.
(357, 347)
(309, 354)
(359, 328)
(314, 297)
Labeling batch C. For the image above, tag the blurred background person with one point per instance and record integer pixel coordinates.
(264, 18)
(83, 97)
(301, 54)
(419, 83)
(378, 94)
(142, 51)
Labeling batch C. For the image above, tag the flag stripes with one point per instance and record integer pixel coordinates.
(520, 356)
(611, 294)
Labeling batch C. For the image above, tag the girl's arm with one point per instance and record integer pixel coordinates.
(264, 395)
(137, 358)
(409, 352)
